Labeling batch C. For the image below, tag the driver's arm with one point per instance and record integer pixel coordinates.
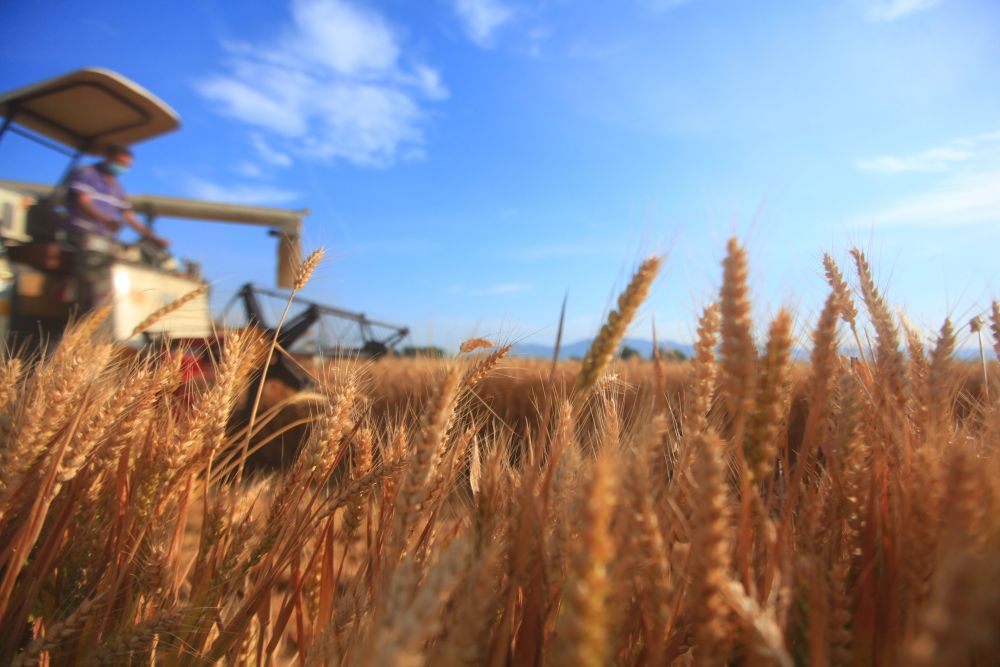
(129, 217)
(86, 204)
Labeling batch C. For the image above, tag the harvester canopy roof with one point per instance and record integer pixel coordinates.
(89, 109)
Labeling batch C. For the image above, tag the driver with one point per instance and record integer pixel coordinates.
(96, 200)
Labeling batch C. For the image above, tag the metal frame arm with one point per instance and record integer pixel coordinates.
(296, 327)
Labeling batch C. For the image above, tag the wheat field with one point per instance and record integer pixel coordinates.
(742, 508)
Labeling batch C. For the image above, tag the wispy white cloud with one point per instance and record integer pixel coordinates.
(959, 200)
(268, 153)
(243, 193)
(932, 160)
(428, 81)
(967, 193)
(890, 10)
(248, 169)
(536, 40)
(481, 19)
(977, 140)
(333, 84)
(492, 290)
(976, 151)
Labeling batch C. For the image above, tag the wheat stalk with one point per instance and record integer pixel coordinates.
(889, 359)
(703, 371)
(484, 365)
(169, 308)
(772, 392)
(433, 427)
(976, 325)
(711, 552)
(739, 355)
(848, 310)
(582, 634)
(59, 632)
(995, 326)
(610, 335)
(302, 277)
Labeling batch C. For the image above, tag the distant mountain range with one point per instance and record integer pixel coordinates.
(579, 348)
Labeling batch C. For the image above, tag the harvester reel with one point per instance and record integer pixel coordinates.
(374, 338)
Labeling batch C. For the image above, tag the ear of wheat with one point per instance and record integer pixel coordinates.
(610, 335)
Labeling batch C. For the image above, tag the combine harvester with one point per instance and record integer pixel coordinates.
(82, 113)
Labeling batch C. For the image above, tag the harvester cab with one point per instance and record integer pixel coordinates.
(84, 112)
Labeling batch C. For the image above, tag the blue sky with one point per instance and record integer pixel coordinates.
(469, 161)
